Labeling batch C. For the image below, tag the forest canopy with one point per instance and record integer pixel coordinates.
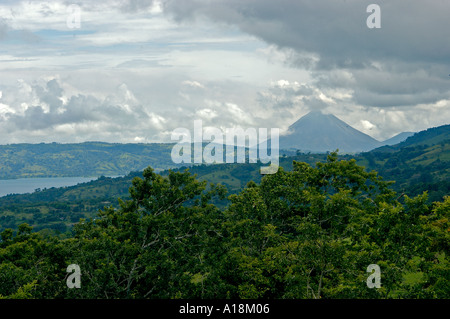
(306, 233)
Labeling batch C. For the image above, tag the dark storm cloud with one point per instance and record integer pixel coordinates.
(131, 6)
(395, 85)
(413, 30)
(405, 62)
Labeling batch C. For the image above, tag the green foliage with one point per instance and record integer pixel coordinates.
(421, 163)
(24, 292)
(308, 232)
(154, 245)
(415, 168)
(31, 266)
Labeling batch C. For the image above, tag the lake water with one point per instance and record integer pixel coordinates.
(28, 185)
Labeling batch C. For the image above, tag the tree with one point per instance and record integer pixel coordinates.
(31, 266)
(6, 235)
(312, 232)
(155, 245)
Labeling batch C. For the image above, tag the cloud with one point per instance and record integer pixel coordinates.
(402, 67)
(284, 96)
(336, 30)
(206, 114)
(132, 6)
(137, 69)
(142, 63)
(406, 60)
(59, 116)
(3, 30)
(10, 34)
(193, 84)
(367, 125)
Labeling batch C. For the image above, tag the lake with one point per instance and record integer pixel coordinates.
(28, 185)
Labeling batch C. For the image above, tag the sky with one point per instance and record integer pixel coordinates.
(132, 71)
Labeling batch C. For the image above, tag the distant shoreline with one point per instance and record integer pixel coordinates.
(27, 185)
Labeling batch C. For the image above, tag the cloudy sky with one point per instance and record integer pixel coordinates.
(133, 71)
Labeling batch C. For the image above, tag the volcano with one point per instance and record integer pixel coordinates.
(318, 133)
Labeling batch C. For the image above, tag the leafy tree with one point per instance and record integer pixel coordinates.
(155, 245)
(312, 232)
(24, 292)
(31, 266)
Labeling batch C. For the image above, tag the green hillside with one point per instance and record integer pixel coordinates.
(420, 163)
(84, 159)
(431, 136)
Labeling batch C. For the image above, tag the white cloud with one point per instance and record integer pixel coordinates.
(206, 114)
(367, 125)
(5, 110)
(238, 114)
(194, 84)
(157, 121)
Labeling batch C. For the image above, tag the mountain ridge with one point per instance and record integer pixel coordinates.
(398, 138)
(430, 137)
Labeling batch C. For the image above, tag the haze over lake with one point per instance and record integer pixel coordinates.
(29, 185)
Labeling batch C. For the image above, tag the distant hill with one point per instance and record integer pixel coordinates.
(429, 137)
(90, 159)
(421, 162)
(318, 132)
(397, 138)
